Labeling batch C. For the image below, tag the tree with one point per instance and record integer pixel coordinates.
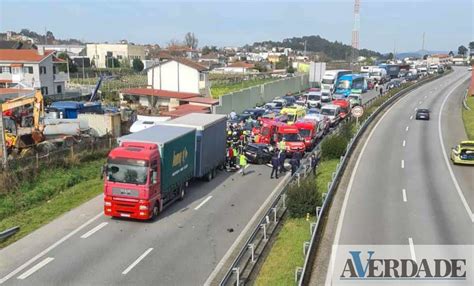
(112, 62)
(63, 67)
(137, 65)
(261, 67)
(205, 50)
(390, 56)
(425, 57)
(471, 45)
(191, 40)
(462, 50)
(451, 54)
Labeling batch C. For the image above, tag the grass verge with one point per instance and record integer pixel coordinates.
(219, 90)
(51, 194)
(287, 251)
(468, 118)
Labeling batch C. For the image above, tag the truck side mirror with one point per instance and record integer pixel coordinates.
(154, 177)
(103, 170)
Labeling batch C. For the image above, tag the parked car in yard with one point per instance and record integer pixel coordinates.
(258, 153)
(422, 114)
(463, 153)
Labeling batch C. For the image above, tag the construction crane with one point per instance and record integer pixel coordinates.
(12, 139)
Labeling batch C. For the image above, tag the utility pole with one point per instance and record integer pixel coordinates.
(423, 42)
(305, 41)
(355, 33)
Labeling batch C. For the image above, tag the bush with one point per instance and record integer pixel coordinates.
(303, 199)
(333, 147)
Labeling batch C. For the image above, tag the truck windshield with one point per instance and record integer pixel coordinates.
(291, 117)
(305, 133)
(374, 73)
(330, 112)
(127, 171)
(344, 84)
(327, 81)
(293, 137)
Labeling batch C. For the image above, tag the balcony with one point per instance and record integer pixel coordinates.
(61, 77)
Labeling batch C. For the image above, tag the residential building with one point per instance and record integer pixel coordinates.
(237, 67)
(32, 69)
(173, 84)
(71, 50)
(124, 53)
(439, 59)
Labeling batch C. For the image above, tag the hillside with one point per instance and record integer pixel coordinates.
(334, 50)
(41, 39)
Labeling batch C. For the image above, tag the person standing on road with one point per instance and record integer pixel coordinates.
(293, 164)
(281, 160)
(282, 144)
(381, 90)
(297, 157)
(275, 164)
(243, 163)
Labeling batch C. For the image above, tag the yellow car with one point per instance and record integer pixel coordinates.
(294, 113)
(463, 153)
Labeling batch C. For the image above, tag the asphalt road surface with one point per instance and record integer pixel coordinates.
(181, 248)
(404, 190)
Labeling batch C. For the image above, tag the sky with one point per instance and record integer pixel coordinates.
(384, 25)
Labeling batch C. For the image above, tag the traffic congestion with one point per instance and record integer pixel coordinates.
(291, 125)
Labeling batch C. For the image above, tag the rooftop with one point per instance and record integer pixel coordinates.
(12, 55)
(242, 65)
(185, 109)
(203, 100)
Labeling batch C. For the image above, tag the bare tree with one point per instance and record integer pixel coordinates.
(191, 41)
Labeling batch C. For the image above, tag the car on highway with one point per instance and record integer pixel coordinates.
(463, 153)
(354, 99)
(422, 114)
(258, 153)
(254, 112)
(333, 112)
(314, 99)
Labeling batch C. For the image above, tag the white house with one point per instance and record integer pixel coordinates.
(32, 69)
(237, 68)
(179, 75)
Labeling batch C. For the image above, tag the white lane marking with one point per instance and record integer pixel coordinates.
(346, 198)
(403, 164)
(137, 261)
(35, 268)
(251, 222)
(94, 230)
(420, 102)
(404, 143)
(426, 96)
(41, 254)
(448, 164)
(404, 192)
(408, 127)
(416, 108)
(412, 248)
(202, 203)
(411, 117)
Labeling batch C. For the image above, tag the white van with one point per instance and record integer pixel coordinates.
(378, 74)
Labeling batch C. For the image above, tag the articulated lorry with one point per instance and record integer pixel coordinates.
(152, 168)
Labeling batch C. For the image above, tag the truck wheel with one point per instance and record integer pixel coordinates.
(156, 210)
(260, 161)
(209, 176)
(214, 172)
(182, 193)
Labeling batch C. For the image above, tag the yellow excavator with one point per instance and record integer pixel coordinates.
(13, 140)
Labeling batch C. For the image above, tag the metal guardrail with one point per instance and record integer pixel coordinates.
(302, 275)
(464, 101)
(8, 233)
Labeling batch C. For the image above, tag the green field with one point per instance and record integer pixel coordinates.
(287, 252)
(53, 192)
(218, 90)
(468, 118)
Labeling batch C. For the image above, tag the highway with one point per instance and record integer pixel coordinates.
(403, 189)
(182, 247)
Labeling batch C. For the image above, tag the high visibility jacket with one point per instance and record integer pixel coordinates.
(243, 160)
(281, 145)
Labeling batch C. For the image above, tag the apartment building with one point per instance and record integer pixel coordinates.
(32, 69)
(124, 53)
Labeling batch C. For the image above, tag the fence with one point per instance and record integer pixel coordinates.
(252, 96)
(48, 155)
(302, 275)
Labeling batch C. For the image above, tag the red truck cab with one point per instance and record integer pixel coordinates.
(308, 131)
(293, 141)
(344, 105)
(131, 183)
(268, 131)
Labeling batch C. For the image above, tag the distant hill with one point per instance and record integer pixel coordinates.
(40, 39)
(334, 50)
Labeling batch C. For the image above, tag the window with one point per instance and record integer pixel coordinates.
(202, 76)
(44, 90)
(42, 70)
(59, 89)
(6, 70)
(54, 69)
(28, 70)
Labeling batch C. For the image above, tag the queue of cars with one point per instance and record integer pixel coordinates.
(297, 121)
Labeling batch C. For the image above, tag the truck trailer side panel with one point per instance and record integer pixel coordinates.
(177, 162)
